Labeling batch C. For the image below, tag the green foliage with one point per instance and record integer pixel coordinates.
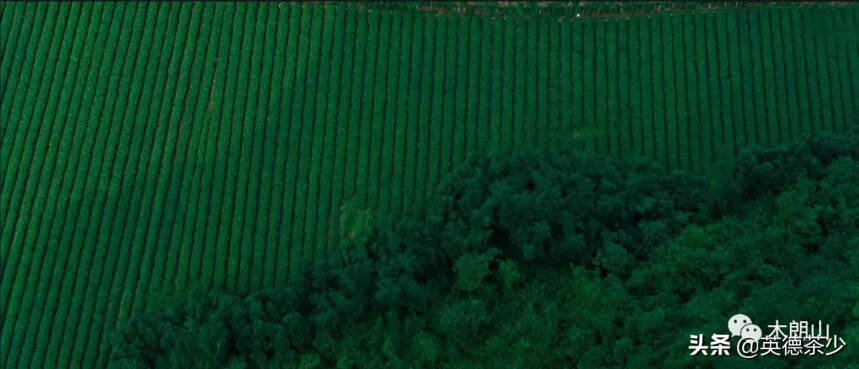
(150, 149)
(602, 264)
(471, 269)
(556, 207)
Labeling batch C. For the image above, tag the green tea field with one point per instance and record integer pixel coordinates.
(154, 150)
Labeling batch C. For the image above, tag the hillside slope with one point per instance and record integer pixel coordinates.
(151, 149)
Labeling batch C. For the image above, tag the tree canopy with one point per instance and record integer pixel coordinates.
(554, 258)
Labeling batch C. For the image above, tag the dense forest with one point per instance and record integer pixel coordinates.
(553, 259)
